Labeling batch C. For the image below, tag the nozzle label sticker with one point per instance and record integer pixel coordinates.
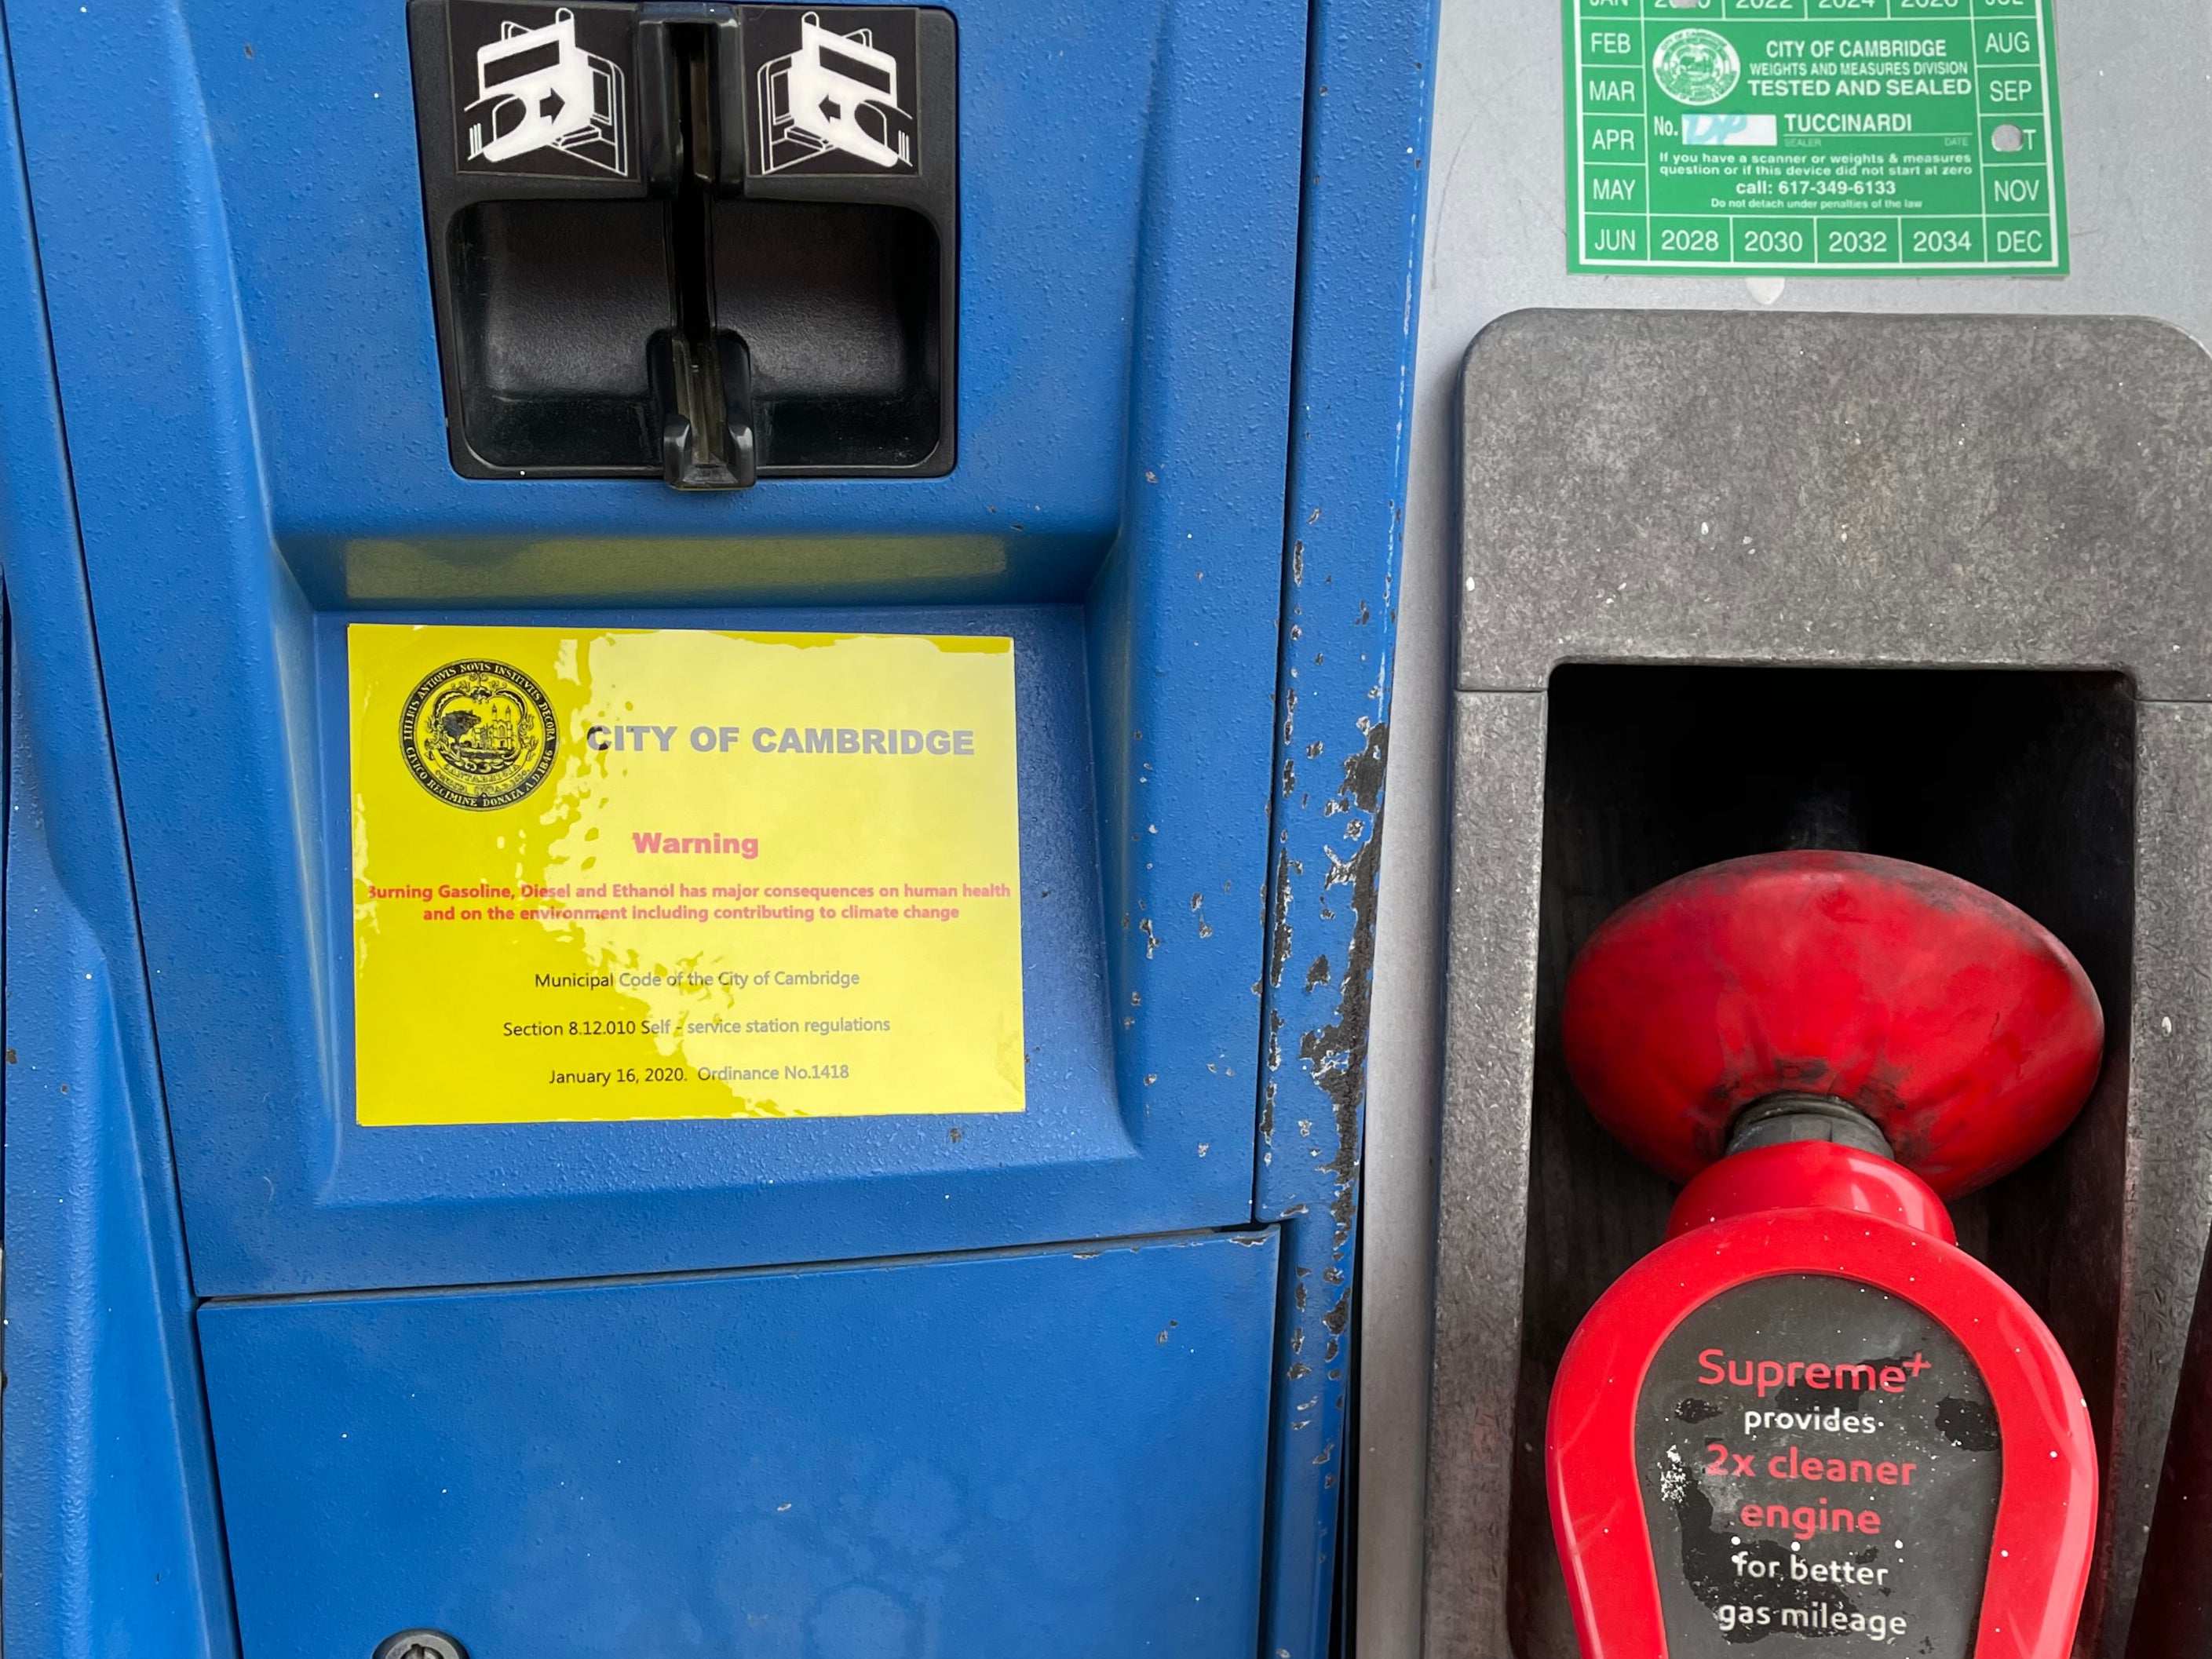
(1835, 138)
(623, 873)
(1820, 1461)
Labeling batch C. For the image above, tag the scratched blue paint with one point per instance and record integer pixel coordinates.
(236, 273)
(236, 300)
(1367, 128)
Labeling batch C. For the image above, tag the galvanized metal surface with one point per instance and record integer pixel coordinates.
(1958, 492)
(2142, 208)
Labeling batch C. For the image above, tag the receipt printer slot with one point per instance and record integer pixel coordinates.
(701, 242)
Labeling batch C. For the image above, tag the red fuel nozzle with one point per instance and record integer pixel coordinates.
(1808, 1414)
(1955, 1021)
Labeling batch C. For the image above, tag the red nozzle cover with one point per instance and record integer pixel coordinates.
(1952, 1018)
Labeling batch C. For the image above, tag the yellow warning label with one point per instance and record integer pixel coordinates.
(663, 873)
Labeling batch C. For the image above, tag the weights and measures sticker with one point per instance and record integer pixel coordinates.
(1844, 137)
(674, 873)
(1818, 1460)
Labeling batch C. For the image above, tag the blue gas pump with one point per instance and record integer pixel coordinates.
(404, 406)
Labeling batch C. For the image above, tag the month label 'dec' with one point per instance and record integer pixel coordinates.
(1819, 1463)
(674, 873)
(1841, 137)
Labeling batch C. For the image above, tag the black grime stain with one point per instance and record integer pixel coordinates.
(1969, 1425)
(1708, 1569)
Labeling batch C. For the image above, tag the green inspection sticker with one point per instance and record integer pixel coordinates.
(1838, 138)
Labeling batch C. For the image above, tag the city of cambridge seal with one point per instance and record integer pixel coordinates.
(1695, 67)
(478, 734)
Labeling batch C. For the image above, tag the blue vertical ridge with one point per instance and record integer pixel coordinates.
(111, 1535)
(1182, 795)
(1363, 191)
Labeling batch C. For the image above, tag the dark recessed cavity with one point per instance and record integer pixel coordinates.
(2023, 783)
(558, 300)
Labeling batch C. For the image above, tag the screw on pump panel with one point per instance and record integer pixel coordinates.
(420, 1645)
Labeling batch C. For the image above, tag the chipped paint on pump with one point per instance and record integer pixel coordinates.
(1368, 69)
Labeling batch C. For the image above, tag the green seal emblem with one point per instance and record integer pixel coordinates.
(478, 734)
(1695, 67)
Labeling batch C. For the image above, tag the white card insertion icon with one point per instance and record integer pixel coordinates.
(837, 92)
(539, 90)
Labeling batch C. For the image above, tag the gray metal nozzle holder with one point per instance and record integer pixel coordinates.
(1720, 498)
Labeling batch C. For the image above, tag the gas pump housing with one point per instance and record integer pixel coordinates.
(1069, 1378)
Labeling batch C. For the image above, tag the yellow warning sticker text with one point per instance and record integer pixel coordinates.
(673, 873)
